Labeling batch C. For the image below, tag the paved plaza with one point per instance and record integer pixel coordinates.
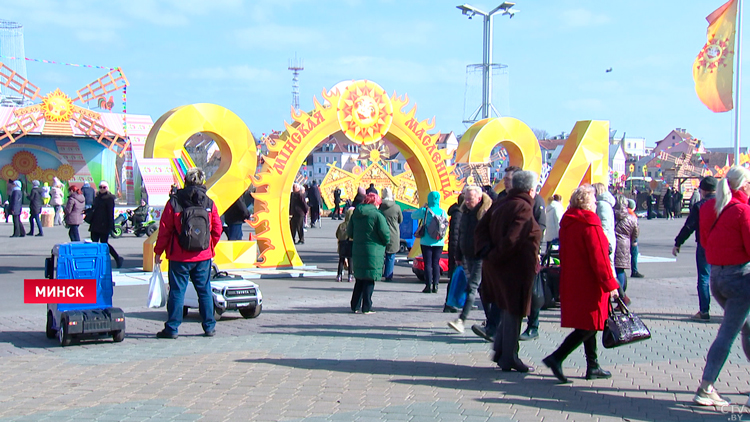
(308, 358)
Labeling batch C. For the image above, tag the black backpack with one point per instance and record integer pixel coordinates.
(195, 235)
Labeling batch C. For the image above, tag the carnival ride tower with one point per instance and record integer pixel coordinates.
(13, 56)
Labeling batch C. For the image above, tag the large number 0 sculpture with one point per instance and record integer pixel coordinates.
(365, 114)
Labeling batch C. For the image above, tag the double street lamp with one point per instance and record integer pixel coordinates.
(506, 10)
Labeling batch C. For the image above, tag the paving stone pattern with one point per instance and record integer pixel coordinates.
(308, 358)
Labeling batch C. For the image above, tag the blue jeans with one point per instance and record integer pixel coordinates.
(34, 218)
(730, 285)
(634, 258)
(473, 278)
(390, 260)
(73, 233)
(704, 275)
(234, 231)
(622, 279)
(179, 274)
(431, 256)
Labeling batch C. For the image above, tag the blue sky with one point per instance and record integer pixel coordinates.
(236, 53)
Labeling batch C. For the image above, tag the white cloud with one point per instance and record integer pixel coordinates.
(579, 18)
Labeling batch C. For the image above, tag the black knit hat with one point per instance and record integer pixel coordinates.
(709, 183)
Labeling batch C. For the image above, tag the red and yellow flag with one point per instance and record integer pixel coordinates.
(712, 70)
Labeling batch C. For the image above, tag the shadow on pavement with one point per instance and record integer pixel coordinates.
(533, 390)
(678, 317)
(346, 310)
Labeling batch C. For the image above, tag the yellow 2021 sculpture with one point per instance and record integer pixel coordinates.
(363, 112)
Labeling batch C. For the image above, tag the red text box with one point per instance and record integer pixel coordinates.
(59, 291)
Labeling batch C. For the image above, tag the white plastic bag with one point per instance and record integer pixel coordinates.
(157, 290)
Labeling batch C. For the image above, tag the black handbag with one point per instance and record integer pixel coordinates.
(88, 215)
(623, 327)
(537, 293)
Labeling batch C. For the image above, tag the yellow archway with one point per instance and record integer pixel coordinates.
(365, 114)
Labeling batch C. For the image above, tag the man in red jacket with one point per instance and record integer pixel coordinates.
(189, 229)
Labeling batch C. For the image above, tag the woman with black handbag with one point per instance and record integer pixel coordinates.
(725, 234)
(586, 282)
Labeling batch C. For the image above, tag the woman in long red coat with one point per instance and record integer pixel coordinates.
(586, 282)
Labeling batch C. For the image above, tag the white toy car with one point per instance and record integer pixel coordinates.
(230, 294)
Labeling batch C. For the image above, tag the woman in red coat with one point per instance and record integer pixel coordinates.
(586, 282)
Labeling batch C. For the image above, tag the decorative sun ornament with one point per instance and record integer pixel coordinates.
(365, 112)
(374, 152)
(57, 107)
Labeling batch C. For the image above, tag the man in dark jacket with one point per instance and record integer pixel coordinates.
(15, 207)
(298, 209)
(454, 213)
(393, 217)
(508, 239)
(314, 201)
(36, 200)
(337, 204)
(707, 189)
(235, 217)
(188, 264)
(475, 205)
(489, 191)
(88, 194)
(668, 204)
(103, 220)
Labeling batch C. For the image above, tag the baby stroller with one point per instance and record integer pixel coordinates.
(550, 273)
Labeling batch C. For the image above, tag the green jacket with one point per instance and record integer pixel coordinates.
(393, 216)
(370, 232)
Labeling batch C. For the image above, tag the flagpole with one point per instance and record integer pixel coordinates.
(738, 90)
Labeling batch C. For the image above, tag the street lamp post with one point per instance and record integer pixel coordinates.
(471, 11)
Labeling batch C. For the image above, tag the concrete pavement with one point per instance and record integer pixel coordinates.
(307, 358)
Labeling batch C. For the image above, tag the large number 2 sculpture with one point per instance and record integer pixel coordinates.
(239, 160)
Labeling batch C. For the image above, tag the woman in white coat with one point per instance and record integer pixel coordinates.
(56, 201)
(554, 215)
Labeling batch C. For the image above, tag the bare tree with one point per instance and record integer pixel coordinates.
(540, 133)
